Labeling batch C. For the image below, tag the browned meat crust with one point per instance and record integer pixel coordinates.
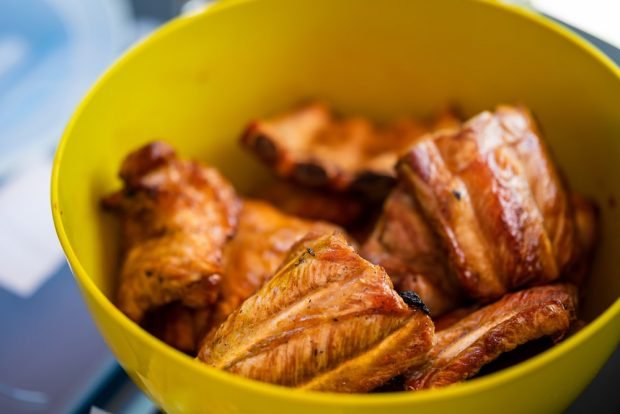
(463, 348)
(328, 320)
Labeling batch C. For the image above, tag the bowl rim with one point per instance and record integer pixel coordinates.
(185, 362)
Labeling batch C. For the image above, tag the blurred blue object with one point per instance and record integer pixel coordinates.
(52, 360)
(51, 51)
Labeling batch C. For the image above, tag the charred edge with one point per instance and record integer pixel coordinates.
(265, 148)
(113, 202)
(301, 260)
(414, 301)
(130, 192)
(310, 251)
(311, 175)
(394, 384)
(144, 160)
(373, 185)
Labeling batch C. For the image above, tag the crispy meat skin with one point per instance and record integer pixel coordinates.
(328, 320)
(492, 194)
(403, 243)
(316, 148)
(263, 239)
(461, 349)
(176, 216)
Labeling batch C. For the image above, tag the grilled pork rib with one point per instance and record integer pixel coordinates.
(328, 320)
(492, 194)
(462, 348)
(176, 217)
(317, 149)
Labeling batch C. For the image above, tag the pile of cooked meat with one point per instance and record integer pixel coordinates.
(398, 256)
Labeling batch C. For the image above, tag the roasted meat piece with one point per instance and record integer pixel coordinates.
(316, 148)
(404, 244)
(176, 217)
(264, 237)
(461, 349)
(492, 194)
(343, 209)
(328, 320)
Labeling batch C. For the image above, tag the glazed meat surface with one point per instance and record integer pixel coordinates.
(462, 348)
(319, 149)
(404, 244)
(176, 217)
(328, 320)
(264, 237)
(491, 193)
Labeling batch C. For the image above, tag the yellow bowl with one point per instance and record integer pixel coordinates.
(197, 81)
